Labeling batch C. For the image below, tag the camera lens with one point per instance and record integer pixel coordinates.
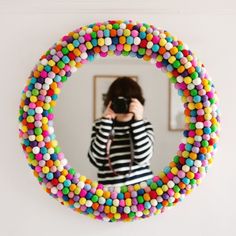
(120, 105)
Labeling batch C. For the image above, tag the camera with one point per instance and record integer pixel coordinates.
(120, 105)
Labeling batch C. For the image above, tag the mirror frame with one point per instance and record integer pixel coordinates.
(195, 152)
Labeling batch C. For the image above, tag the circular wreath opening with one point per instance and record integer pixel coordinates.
(193, 157)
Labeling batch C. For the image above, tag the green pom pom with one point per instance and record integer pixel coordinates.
(176, 189)
(176, 64)
(176, 159)
(63, 79)
(65, 191)
(193, 92)
(124, 189)
(61, 64)
(194, 75)
(115, 26)
(65, 50)
(38, 131)
(132, 215)
(94, 198)
(192, 126)
(141, 51)
(31, 156)
(57, 149)
(94, 35)
(140, 199)
(72, 171)
(153, 186)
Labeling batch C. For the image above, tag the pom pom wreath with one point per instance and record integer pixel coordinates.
(189, 77)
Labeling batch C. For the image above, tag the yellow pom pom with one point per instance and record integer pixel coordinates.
(143, 29)
(46, 106)
(62, 178)
(111, 53)
(82, 178)
(128, 202)
(162, 42)
(57, 163)
(75, 35)
(149, 37)
(172, 59)
(187, 80)
(39, 138)
(30, 119)
(126, 32)
(70, 47)
(117, 216)
(136, 187)
(190, 140)
(101, 41)
(40, 67)
(77, 191)
(159, 58)
(24, 129)
(174, 170)
(51, 63)
(164, 187)
(45, 169)
(99, 192)
(127, 47)
(82, 201)
(113, 209)
(109, 26)
(33, 99)
(191, 106)
(88, 45)
(177, 195)
(185, 154)
(159, 191)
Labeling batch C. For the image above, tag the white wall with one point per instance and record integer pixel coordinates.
(28, 28)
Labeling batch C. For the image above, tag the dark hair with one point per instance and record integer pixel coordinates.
(126, 87)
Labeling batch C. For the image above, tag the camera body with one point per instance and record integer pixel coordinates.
(120, 105)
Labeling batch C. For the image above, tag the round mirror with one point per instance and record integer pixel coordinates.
(80, 105)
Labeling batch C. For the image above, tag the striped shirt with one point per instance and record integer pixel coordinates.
(133, 143)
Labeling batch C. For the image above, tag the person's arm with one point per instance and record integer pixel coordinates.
(143, 140)
(99, 138)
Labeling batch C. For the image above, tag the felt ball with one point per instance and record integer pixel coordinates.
(137, 40)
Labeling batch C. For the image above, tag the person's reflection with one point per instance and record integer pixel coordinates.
(122, 141)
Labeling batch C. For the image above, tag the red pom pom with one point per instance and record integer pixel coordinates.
(153, 194)
(50, 92)
(143, 43)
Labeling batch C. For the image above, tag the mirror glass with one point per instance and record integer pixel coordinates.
(76, 109)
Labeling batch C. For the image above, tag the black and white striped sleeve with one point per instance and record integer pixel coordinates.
(143, 141)
(99, 138)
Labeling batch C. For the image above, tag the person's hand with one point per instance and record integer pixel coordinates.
(109, 113)
(136, 108)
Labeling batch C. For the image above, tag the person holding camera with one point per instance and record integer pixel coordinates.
(122, 141)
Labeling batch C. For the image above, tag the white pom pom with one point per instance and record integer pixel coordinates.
(137, 40)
